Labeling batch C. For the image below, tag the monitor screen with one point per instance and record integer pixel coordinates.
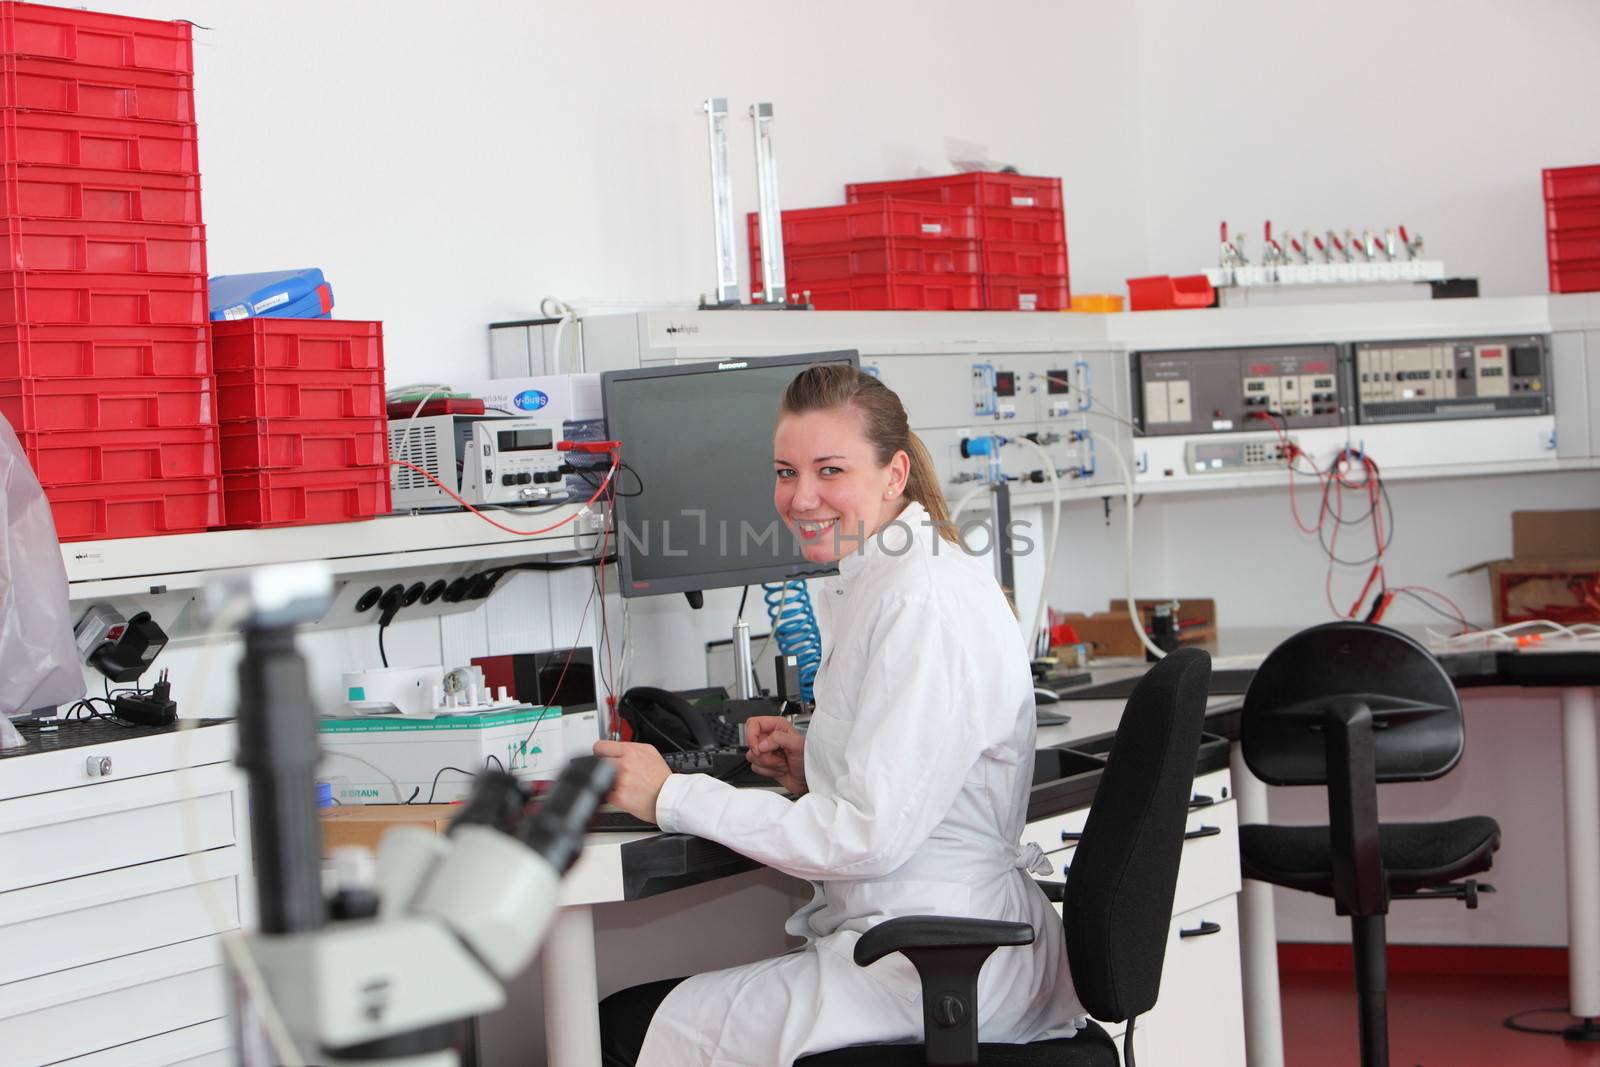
(696, 510)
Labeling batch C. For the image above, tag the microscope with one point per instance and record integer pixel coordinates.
(388, 970)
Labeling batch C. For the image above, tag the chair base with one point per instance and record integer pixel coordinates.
(1587, 1031)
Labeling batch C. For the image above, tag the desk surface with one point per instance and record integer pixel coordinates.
(630, 866)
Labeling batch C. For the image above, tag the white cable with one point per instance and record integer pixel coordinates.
(558, 309)
(961, 505)
(1127, 485)
(334, 752)
(1097, 408)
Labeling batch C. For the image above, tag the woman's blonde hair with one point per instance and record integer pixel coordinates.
(831, 386)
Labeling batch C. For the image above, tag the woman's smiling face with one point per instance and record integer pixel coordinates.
(829, 489)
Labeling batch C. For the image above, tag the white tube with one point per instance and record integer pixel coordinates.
(1258, 934)
(571, 990)
(1050, 550)
(1127, 485)
(1582, 789)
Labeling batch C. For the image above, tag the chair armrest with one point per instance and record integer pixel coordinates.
(1054, 892)
(948, 954)
(937, 932)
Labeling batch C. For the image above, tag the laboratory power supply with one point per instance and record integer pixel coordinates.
(486, 461)
(1191, 392)
(1476, 378)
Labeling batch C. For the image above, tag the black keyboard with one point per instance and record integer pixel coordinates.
(717, 762)
(615, 820)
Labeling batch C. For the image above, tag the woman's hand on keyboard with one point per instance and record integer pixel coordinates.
(640, 774)
(777, 751)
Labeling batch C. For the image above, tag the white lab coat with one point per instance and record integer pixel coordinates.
(918, 762)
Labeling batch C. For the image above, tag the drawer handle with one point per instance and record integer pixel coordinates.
(1205, 929)
(1071, 835)
(1202, 831)
(1200, 800)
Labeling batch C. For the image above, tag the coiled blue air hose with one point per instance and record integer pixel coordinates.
(794, 628)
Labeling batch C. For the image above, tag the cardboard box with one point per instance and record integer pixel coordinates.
(1110, 633)
(1554, 569)
(365, 824)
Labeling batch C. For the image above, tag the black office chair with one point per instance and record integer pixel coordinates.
(1349, 705)
(1117, 902)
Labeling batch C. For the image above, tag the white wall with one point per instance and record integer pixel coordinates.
(1438, 114)
(449, 166)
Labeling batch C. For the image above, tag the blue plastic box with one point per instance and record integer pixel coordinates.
(275, 293)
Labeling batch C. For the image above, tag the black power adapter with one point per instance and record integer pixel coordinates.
(157, 708)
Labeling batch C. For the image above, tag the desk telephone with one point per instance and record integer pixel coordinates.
(691, 739)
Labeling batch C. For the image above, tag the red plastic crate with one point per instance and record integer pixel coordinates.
(980, 189)
(880, 255)
(99, 195)
(44, 406)
(1038, 293)
(122, 455)
(302, 498)
(103, 351)
(298, 344)
(96, 92)
(298, 394)
(46, 139)
(106, 40)
(95, 37)
(43, 298)
(1022, 226)
(270, 444)
(1575, 276)
(1562, 182)
(103, 247)
(875, 218)
(1565, 245)
(1163, 292)
(1024, 258)
(135, 509)
(1572, 213)
(900, 292)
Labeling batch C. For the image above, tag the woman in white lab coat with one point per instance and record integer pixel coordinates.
(910, 785)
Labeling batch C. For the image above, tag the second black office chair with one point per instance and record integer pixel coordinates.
(1117, 907)
(1349, 705)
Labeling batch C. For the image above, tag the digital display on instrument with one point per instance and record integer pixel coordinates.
(525, 440)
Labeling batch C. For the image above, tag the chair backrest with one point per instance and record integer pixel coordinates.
(1418, 730)
(1118, 900)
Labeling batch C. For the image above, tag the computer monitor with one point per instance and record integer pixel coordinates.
(696, 510)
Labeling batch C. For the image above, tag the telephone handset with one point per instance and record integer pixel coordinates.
(666, 720)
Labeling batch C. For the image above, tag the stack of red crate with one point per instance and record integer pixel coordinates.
(1022, 231)
(304, 426)
(886, 255)
(1572, 228)
(954, 243)
(105, 372)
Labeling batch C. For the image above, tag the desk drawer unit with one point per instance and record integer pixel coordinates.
(131, 998)
(73, 832)
(1197, 1020)
(67, 924)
